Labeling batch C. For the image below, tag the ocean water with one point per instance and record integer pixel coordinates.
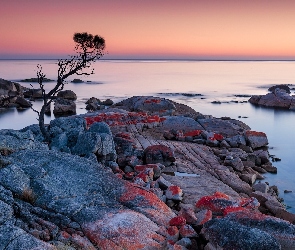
(194, 83)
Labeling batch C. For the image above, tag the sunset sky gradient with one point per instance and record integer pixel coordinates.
(151, 29)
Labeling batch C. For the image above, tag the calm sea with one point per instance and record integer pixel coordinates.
(195, 83)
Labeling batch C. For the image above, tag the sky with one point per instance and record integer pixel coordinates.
(151, 29)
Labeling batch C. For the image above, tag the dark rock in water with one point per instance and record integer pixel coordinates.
(224, 233)
(278, 98)
(7, 86)
(33, 93)
(64, 107)
(280, 86)
(77, 81)
(216, 102)
(67, 94)
(36, 80)
(108, 102)
(159, 154)
(256, 139)
(22, 102)
(93, 100)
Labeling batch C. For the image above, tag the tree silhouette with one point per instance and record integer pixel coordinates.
(88, 49)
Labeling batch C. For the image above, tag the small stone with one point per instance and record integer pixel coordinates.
(203, 216)
(174, 193)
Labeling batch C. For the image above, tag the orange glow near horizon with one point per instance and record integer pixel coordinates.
(193, 29)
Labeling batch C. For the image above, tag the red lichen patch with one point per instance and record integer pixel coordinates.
(143, 176)
(129, 176)
(217, 137)
(65, 235)
(233, 210)
(141, 168)
(152, 100)
(171, 242)
(175, 190)
(177, 221)
(173, 230)
(196, 132)
(255, 133)
(139, 197)
(216, 202)
(118, 119)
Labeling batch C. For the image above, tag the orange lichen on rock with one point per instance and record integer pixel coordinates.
(216, 202)
(117, 119)
(177, 221)
(255, 133)
(175, 189)
(196, 132)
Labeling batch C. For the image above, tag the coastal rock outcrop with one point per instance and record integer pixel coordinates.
(278, 98)
(122, 179)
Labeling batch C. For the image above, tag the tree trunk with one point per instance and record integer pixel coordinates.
(42, 127)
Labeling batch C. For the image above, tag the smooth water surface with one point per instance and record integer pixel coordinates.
(204, 81)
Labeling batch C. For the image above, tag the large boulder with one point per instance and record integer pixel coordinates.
(75, 194)
(64, 107)
(67, 94)
(6, 87)
(33, 93)
(256, 139)
(153, 105)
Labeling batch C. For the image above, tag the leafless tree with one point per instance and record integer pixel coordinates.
(88, 48)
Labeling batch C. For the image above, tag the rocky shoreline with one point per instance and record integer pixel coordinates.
(146, 173)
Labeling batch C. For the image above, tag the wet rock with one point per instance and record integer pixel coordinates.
(22, 102)
(159, 154)
(269, 168)
(256, 139)
(64, 107)
(67, 94)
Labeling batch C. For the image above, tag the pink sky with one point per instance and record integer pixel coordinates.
(155, 29)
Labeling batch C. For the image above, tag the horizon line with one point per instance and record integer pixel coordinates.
(151, 59)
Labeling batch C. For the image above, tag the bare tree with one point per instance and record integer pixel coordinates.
(88, 49)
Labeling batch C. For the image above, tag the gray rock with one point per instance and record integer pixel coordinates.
(67, 94)
(12, 238)
(256, 139)
(64, 107)
(229, 234)
(83, 191)
(184, 124)
(22, 102)
(262, 187)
